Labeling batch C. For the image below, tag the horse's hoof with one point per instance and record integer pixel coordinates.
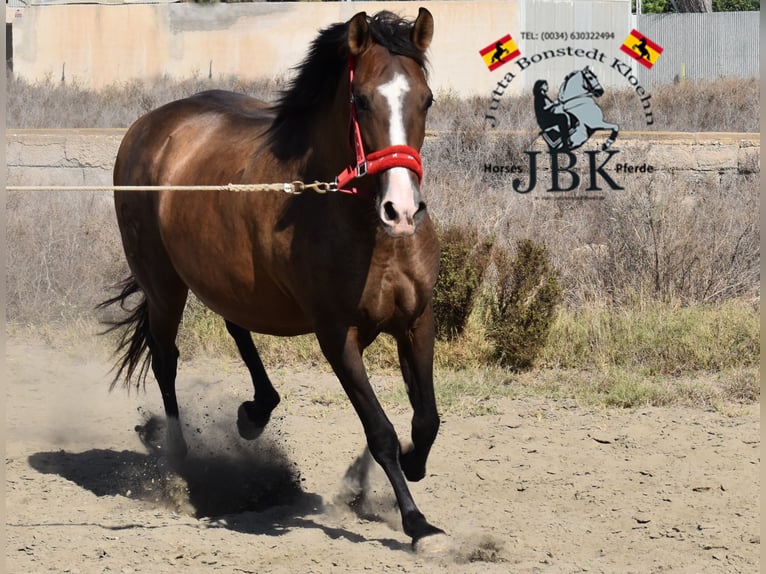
(250, 427)
(433, 545)
(412, 471)
(175, 445)
(176, 456)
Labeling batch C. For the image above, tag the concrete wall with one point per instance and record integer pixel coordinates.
(61, 157)
(86, 157)
(98, 45)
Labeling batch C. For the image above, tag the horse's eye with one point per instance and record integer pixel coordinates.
(429, 102)
(362, 103)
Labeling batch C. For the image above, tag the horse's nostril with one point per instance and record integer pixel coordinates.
(390, 211)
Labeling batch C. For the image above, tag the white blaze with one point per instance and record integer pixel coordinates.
(394, 91)
(400, 193)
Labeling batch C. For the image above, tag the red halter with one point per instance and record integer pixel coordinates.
(377, 161)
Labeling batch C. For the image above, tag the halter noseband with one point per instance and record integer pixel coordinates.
(391, 156)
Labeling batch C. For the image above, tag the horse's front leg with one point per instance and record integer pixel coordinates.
(416, 357)
(343, 350)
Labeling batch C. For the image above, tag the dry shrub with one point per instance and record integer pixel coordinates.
(462, 263)
(671, 238)
(722, 105)
(525, 298)
(694, 237)
(674, 241)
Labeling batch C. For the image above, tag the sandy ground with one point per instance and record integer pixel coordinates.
(543, 486)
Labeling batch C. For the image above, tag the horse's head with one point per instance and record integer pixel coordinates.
(591, 83)
(580, 83)
(391, 98)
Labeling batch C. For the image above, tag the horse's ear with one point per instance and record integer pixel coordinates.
(358, 34)
(423, 30)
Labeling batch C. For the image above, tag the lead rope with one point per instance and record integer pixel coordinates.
(294, 188)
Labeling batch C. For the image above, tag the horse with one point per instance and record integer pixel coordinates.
(345, 265)
(575, 97)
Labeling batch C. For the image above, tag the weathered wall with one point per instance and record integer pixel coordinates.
(86, 157)
(98, 45)
(61, 157)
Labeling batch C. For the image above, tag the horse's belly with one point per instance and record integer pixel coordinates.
(264, 310)
(232, 270)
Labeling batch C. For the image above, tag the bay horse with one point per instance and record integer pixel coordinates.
(346, 266)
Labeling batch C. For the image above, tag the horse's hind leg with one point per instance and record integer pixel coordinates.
(253, 415)
(165, 297)
(163, 327)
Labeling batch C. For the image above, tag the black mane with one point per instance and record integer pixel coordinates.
(313, 88)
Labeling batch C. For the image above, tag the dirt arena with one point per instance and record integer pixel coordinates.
(542, 486)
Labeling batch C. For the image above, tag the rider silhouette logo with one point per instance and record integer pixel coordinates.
(500, 52)
(641, 48)
(567, 122)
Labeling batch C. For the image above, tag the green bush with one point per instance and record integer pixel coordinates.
(522, 309)
(464, 258)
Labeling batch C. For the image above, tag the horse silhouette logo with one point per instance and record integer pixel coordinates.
(567, 122)
(499, 52)
(641, 49)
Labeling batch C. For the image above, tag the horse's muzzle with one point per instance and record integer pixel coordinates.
(399, 207)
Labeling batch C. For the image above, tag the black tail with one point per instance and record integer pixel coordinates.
(133, 346)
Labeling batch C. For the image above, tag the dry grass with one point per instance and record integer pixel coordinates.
(64, 252)
(640, 254)
(724, 105)
(69, 105)
(729, 104)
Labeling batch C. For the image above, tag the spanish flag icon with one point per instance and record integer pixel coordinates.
(500, 52)
(641, 48)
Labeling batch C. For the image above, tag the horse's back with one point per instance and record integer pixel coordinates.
(238, 106)
(219, 244)
(194, 140)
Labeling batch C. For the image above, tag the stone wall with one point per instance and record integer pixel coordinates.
(86, 156)
(61, 157)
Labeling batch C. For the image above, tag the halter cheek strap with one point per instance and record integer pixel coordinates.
(378, 161)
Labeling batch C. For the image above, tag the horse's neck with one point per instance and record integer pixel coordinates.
(330, 147)
(568, 91)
